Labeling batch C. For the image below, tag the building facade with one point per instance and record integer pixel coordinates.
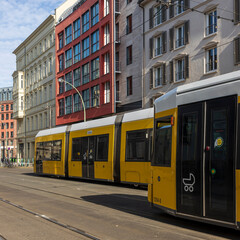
(85, 59)
(34, 87)
(8, 129)
(187, 41)
(128, 55)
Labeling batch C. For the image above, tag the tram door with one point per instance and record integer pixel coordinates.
(88, 151)
(205, 159)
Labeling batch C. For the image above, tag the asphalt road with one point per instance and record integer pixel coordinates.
(33, 207)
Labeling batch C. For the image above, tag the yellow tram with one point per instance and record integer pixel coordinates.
(196, 159)
(115, 148)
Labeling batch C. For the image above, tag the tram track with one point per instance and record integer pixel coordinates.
(139, 212)
(71, 228)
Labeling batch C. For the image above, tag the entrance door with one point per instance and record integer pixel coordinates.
(88, 157)
(205, 160)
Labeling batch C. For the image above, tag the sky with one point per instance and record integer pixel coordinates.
(18, 19)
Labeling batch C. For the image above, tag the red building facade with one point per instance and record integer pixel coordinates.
(85, 59)
(8, 130)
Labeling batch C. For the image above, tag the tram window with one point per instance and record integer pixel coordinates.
(137, 145)
(76, 149)
(47, 146)
(56, 150)
(39, 152)
(102, 148)
(163, 142)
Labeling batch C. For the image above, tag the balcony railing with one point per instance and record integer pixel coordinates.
(118, 67)
(211, 66)
(211, 29)
(179, 42)
(158, 51)
(117, 6)
(180, 76)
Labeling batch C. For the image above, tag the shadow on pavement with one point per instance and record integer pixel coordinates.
(139, 206)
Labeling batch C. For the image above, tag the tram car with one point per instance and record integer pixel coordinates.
(195, 169)
(115, 149)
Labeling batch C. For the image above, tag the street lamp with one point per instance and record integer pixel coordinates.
(61, 80)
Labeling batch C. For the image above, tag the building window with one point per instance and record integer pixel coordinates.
(237, 50)
(68, 34)
(129, 24)
(85, 47)
(211, 59)
(95, 68)
(95, 14)
(85, 73)
(236, 11)
(85, 95)
(179, 69)
(159, 76)
(106, 35)
(61, 107)
(211, 22)
(68, 105)
(76, 102)
(129, 86)
(68, 79)
(95, 94)
(106, 63)
(7, 116)
(129, 55)
(50, 92)
(61, 87)
(50, 65)
(179, 6)
(11, 124)
(95, 41)
(61, 65)
(68, 58)
(76, 77)
(77, 53)
(158, 15)
(106, 7)
(11, 106)
(179, 36)
(2, 108)
(158, 46)
(107, 92)
(76, 28)
(85, 21)
(7, 107)
(2, 134)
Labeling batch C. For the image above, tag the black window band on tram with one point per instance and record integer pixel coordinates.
(238, 139)
(138, 145)
(162, 142)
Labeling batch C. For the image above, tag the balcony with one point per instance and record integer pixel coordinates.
(117, 67)
(117, 38)
(117, 7)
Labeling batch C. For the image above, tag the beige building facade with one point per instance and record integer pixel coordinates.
(187, 41)
(34, 87)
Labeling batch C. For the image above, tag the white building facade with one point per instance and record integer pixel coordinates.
(34, 87)
(187, 41)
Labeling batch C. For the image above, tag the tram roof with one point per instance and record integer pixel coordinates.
(94, 123)
(210, 88)
(52, 131)
(138, 115)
